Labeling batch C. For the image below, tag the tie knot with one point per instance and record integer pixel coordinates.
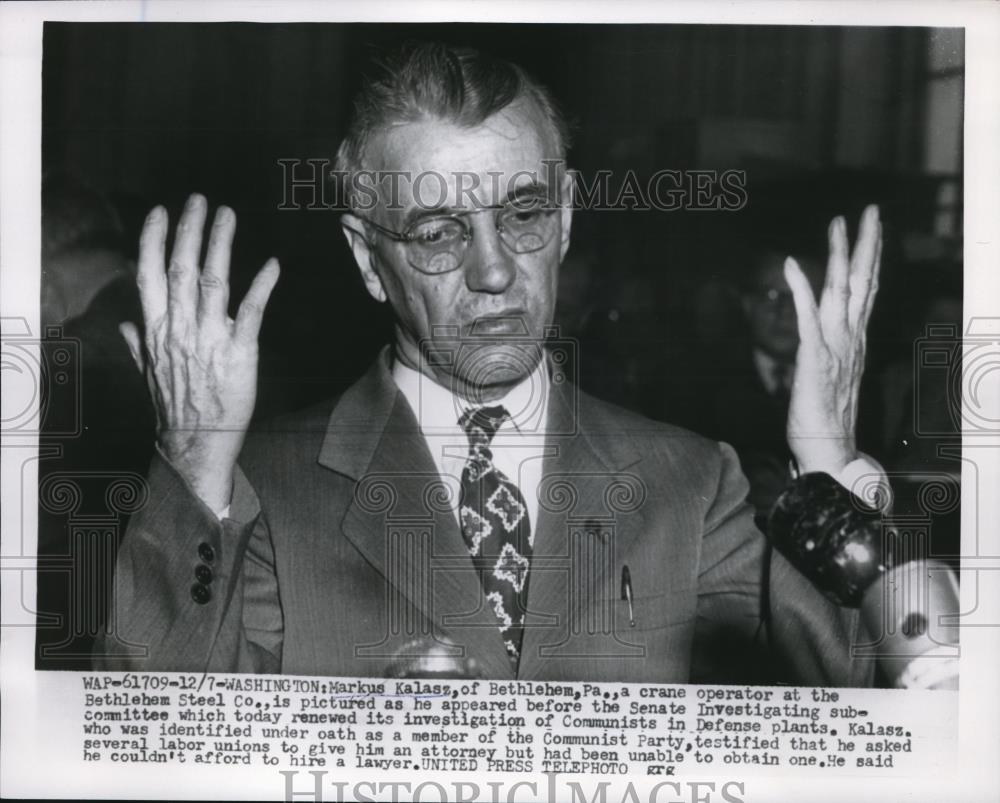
(483, 422)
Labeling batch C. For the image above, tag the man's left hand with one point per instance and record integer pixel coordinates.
(823, 412)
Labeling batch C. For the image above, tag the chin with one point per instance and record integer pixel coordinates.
(489, 368)
(781, 347)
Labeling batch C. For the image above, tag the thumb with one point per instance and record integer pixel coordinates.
(130, 332)
(806, 312)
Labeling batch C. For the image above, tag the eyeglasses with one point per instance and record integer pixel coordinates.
(438, 244)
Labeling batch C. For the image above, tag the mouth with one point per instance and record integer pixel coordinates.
(511, 323)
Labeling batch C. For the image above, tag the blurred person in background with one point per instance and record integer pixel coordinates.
(749, 406)
(98, 427)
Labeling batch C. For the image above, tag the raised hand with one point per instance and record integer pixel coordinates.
(200, 364)
(823, 411)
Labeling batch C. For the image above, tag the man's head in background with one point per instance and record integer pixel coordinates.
(464, 241)
(766, 300)
(82, 247)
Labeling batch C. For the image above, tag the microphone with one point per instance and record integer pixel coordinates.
(844, 550)
(429, 658)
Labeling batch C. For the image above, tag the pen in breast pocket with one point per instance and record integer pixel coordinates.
(627, 594)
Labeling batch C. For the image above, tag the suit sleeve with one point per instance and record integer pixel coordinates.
(190, 592)
(759, 619)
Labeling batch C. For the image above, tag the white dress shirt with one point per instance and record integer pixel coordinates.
(768, 369)
(518, 446)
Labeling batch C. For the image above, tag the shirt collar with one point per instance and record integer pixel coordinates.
(767, 368)
(438, 410)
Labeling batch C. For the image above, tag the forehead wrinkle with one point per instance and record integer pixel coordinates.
(435, 144)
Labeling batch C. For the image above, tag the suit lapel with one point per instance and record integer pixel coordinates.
(584, 526)
(374, 439)
(397, 519)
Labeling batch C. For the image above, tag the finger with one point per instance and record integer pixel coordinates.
(251, 311)
(834, 301)
(213, 284)
(130, 332)
(806, 313)
(182, 272)
(866, 311)
(863, 264)
(149, 277)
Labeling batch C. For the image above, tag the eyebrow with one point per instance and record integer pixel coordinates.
(536, 189)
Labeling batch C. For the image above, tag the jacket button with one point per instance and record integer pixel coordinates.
(203, 573)
(200, 593)
(205, 552)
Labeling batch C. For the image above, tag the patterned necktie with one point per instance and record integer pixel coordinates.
(495, 527)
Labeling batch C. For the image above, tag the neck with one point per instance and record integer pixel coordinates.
(476, 393)
(779, 359)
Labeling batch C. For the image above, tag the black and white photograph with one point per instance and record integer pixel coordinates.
(589, 325)
(619, 371)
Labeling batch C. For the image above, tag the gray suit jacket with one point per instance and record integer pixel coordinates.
(341, 552)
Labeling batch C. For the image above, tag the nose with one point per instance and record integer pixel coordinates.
(490, 266)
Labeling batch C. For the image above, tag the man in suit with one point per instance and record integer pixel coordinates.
(462, 509)
(750, 404)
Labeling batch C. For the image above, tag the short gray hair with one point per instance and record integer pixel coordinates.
(424, 80)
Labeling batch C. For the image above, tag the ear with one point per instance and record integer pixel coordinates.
(353, 228)
(566, 213)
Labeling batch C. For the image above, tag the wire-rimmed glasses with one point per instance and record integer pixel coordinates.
(438, 244)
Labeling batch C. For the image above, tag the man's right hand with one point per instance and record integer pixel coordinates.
(200, 364)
